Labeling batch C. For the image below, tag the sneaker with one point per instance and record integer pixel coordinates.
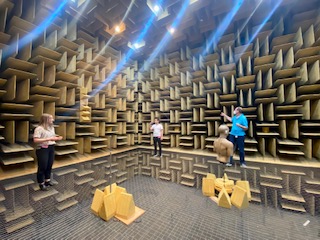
(49, 184)
(155, 155)
(243, 165)
(229, 164)
(43, 187)
(160, 156)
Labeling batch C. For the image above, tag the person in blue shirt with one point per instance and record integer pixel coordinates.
(237, 134)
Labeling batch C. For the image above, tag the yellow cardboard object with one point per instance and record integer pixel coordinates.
(97, 201)
(117, 204)
(109, 207)
(107, 188)
(225, 177)
(239, 198)
(125, 206)
(208, 187)
(219, 184)
(137, 213)
(224, 199)
(211, 175)
(224, 182)
(245, 185)
(118, 191)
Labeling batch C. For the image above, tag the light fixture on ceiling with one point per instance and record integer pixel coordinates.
(117, 29)
(156, 8)
(136, 45)
(78, 3)
(171, 30)
(193, 1)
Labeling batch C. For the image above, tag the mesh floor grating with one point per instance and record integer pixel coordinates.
(172, 212)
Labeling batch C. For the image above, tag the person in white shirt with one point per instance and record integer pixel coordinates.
(157, 129)
(45, 138)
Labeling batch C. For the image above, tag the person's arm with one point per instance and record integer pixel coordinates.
(226, 116)
(161, 132)
(244, 124)
(41, 140)
(151, 127)
(37, 137)
(58, 138)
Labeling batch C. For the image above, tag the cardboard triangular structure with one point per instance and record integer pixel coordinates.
(245, 185)
(109, 207)
(111, 187)
(225, 177)
(125, 206)
(239, 198)
(224, 199)
(211, 175)
(208, 187)
(118, 191)
(97, 201)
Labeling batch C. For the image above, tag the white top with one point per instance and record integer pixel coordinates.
(157, 129)
(40, 132)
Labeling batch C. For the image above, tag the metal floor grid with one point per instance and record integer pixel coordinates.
(172, 212)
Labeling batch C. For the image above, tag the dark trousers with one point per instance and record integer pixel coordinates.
(45, 158)
(238, 142)
(157, 141)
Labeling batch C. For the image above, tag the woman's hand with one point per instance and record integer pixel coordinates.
(56, 138)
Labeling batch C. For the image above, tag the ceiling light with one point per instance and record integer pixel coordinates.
(136, 45)
(171, 30)
(116, 29)
(78, 3)
(193, 1)
(156, 8)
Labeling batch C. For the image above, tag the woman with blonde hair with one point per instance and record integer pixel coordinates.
(44, 136)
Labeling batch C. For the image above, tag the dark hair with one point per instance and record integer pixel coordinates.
(156, 118)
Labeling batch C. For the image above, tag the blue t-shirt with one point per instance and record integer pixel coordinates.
(238, 131)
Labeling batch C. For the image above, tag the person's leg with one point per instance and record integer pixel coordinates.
(47, 174)
(241, 149)
(155, 145)
(233, 140)
(160, 148)
(42, 157)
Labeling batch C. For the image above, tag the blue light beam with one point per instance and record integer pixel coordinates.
(216, 35)
(124, 60)
(168, 35)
